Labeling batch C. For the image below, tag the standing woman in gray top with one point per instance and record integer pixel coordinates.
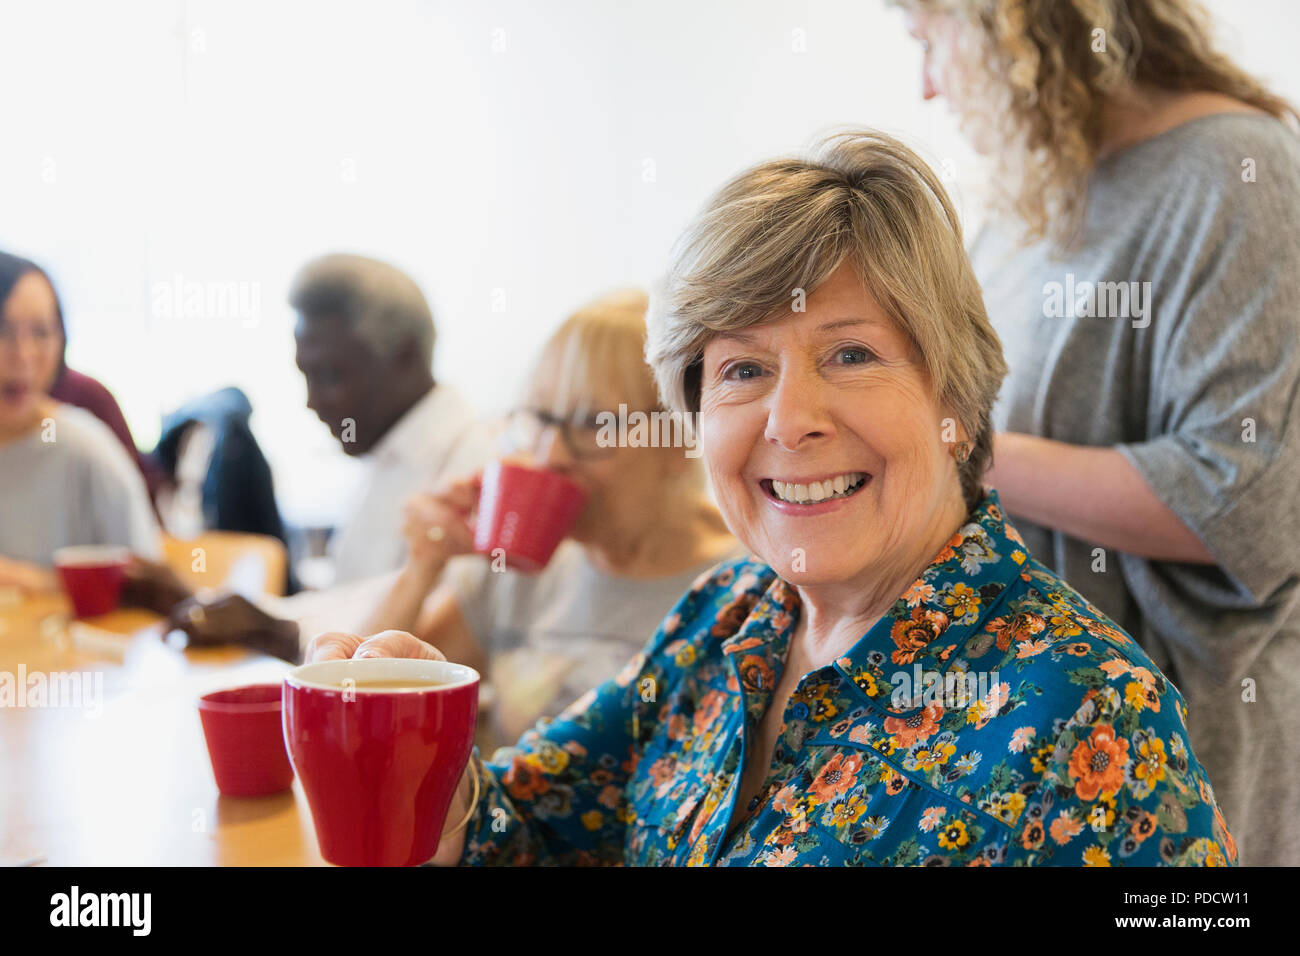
(1144, 280)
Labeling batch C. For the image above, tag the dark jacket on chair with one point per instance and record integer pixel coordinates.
(238, 493)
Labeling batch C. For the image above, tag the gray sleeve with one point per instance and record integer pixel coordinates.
(1224, 445)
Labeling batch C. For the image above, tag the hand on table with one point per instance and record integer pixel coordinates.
(232, 619)
(27, 578)
(153, 586)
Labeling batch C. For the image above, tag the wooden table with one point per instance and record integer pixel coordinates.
(130, 785)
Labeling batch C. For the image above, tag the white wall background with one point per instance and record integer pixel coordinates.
(527, 155)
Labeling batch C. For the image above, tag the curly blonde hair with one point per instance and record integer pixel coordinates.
(1046, 68)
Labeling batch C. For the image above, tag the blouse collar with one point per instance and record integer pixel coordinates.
(948, 605)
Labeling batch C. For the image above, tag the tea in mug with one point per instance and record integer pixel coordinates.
(402, 683)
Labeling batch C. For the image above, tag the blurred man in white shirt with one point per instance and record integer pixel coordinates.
(365, 339)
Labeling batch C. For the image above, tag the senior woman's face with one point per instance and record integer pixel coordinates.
(823, 443)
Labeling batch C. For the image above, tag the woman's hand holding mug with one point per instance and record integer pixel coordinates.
(440, 525)
(337, 646)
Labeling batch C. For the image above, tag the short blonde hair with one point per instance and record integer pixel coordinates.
(596, 360)
(786, 225)
(597, 355)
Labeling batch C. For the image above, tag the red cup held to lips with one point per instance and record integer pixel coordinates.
(525, 512)
(93, 577)
(245, 741)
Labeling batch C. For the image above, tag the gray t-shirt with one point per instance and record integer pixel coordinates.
(71, 482)
(1191, 369)
(566, 630)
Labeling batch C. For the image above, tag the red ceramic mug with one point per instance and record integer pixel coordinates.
(380, 745)
(245, 742)
(93, 576)
(525, 513)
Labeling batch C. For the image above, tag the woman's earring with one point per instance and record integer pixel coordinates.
(962, 454)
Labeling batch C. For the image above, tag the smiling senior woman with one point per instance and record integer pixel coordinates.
(822, 317)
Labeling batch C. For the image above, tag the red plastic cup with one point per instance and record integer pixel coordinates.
(380, 765)
(526, 512)
(93, 576)
(245, 742)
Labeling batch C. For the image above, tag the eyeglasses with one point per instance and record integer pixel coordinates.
(581, 434)
(12, 333)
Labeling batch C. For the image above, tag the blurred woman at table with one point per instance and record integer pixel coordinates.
(894, 679)
(1143, 271)
(647, 532)
(66, 478)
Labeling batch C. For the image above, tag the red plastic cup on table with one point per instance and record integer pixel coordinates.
(380, 745)
(92, 576)
(525, 513)
(245, 742)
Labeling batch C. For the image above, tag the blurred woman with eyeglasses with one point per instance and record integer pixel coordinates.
(648, 530)
(66, 478)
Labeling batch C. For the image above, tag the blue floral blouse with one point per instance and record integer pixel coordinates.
(992, 717)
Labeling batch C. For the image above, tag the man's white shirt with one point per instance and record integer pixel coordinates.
(439, 436)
